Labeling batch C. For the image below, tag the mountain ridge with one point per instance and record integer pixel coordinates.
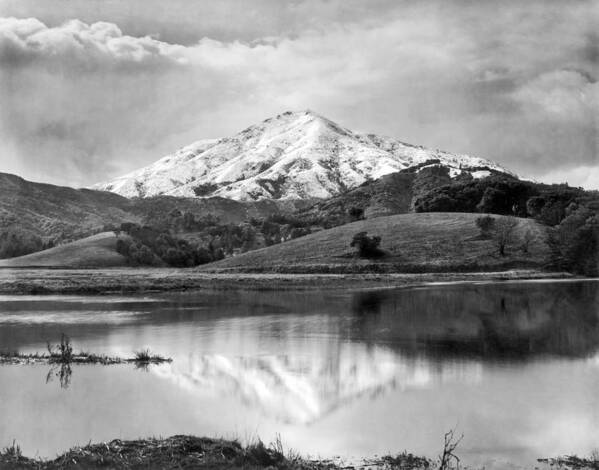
(294, 155)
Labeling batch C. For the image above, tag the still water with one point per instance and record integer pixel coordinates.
(512, 366)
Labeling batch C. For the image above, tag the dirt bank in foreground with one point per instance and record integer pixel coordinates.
(190, 452)
(140, 280)
(187, 452)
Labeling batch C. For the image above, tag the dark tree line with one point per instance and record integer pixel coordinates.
(148, 246)
(17, 242)
(506, 195)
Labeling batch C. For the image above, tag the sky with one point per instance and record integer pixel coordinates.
(92, 89)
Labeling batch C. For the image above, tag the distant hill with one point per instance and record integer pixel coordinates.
(413, 242)
(97, 251)
(295, 155)
(395, 193)
(57, 211)
(34, 216)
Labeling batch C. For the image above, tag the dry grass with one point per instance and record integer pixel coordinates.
(143, 280)
(187, 452)
(412, 242)
(95, 251)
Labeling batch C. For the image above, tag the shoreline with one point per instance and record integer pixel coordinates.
(184, 451)
(32, 281)
(187, 451)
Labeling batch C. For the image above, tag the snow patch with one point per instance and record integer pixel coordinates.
(308, 154)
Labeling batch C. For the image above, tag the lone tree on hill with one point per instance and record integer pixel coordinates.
(485, 223)
(368, 247)
(503, 235)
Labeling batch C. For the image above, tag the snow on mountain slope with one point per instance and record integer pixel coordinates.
(295, 155)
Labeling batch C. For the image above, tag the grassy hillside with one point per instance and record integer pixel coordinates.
(412, 242)
(55, 211)
(95, 251)
(37, 215)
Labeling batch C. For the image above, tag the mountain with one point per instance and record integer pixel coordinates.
(295, 155)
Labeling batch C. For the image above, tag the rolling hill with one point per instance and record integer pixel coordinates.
(45, 212)
(295, 155)
(413, 242)
(97, 251)
(57, 211)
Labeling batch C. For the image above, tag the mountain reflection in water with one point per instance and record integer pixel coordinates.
(299, 390)
(514, 365)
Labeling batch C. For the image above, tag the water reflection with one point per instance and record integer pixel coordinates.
(302, 389)
(61, 371)
(514, 364)
(492, 322)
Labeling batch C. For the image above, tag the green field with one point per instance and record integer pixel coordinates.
(412, 242)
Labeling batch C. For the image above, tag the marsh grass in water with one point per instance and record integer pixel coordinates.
(62, 353)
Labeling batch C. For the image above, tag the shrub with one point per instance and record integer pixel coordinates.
(368, 247)
(356, 213)
(63, 352)
(485, 223)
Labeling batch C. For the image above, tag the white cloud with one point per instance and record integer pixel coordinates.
(29, 38)
(562, 94)
(102, 102)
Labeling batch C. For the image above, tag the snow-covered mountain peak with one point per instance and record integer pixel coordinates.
(296, 154)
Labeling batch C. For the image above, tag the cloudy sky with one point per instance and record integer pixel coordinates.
(91, 89)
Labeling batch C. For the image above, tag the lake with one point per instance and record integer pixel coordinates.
(513, 366)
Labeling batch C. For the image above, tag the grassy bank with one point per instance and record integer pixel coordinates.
(187, 452)
(141, 280)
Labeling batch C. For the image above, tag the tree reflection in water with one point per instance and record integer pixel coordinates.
(61, 371)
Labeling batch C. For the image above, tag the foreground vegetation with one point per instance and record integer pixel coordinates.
(190, 452)
(62, 354)
(187, 452)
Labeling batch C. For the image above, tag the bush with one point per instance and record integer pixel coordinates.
(485, 224)
(368, 247)
(356, 213)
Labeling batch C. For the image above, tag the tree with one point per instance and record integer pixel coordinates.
(494, 200)
(503, 235)
(356, 213)
(368, 247)
(574, 243)
(485, 223)
(527, 240)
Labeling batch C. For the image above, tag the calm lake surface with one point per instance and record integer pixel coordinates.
(512, 366)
